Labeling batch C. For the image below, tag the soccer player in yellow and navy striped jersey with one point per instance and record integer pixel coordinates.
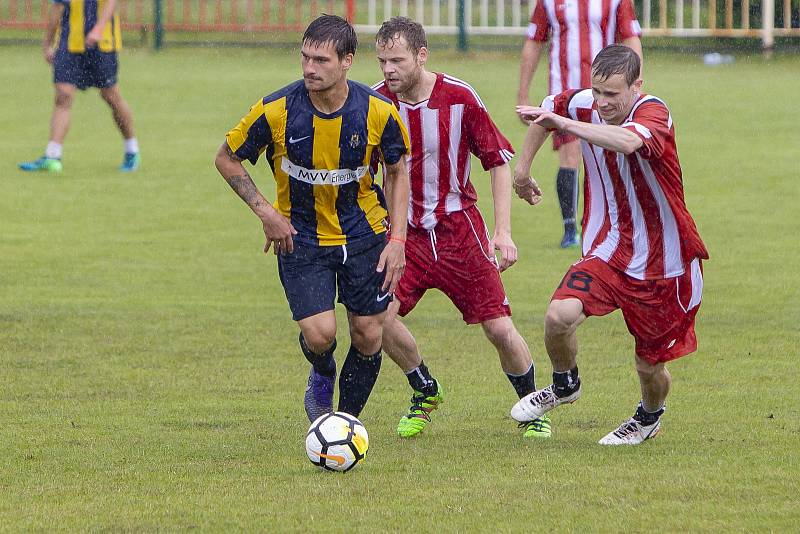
(81, 42)
(321, 162)
(323, 138)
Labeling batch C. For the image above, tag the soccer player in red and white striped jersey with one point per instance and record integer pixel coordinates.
(577, 31)
(448, 246)
(641, 249)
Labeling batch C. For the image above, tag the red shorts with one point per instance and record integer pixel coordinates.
(455, 258)
(560, 139)
(659, 313)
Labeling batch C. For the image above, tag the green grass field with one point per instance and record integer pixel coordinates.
(150, 378)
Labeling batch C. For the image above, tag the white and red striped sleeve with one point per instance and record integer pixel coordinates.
(539, 25)
(559, 104)
(627, 24)
(652, 122)
(485, 140)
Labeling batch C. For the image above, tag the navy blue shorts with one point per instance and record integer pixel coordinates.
(311, 275)
(90, 69)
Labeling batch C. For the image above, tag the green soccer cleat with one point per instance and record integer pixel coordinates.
(131, 162)
(43, 164)
(538, 428)
(418, 415)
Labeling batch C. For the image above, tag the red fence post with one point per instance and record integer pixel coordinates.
(187, 15)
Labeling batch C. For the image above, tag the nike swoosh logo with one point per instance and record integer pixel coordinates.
(382, 297)
(338, 459)
(292, 140)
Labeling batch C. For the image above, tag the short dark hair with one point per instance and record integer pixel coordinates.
(332, 29)
(413, 32)
(617, 59)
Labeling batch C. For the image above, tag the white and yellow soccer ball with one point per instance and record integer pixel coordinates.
(336, 441)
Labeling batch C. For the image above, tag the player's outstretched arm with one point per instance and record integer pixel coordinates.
(524, 185)
(393, 257)
(608, 136)
(501, 197)
(53, 18)
(277, 228)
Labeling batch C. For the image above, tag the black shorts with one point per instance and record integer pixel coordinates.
(90, 69)
(311, 275)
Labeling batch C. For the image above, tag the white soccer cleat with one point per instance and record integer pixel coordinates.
(538, 403)
(631, 432)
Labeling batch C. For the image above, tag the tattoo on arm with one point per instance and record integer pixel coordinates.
(231, 153)
(246, 189)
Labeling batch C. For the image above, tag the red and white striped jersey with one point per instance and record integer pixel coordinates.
(578, 30)
(444, 130)
(634, 215)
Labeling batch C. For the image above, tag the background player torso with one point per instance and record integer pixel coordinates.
(78, 19)
(578, 30)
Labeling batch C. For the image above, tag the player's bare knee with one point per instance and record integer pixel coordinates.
(319, 338)
(63, 99)
(559, 320)
(500, 332)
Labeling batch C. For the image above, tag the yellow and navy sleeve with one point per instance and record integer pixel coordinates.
(252, 135)
(384, 120)
(394, 141)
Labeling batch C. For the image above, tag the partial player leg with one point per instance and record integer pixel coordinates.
(59, 125)
(661, 318)
(363, 362)
(402, 348)
(123, 118)
(60, 121)
(398, 342)
(562, 320)
(516, 361)
(318, 343)
(655, 381)
(645, 424)
(560, 327)
(569, 157)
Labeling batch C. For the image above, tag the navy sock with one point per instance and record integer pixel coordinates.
(323, 363)
(524, 383)
(420, 379)
(567, 189)
(566, 383)
(648, 418)
(359, 373)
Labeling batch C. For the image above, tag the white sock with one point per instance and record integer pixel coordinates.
(53, 150)
(131, 146)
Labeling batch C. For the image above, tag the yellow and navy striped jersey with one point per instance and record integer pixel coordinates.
(79, 18)
(324, 164)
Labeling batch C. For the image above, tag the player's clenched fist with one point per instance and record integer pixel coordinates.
(527, 189)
